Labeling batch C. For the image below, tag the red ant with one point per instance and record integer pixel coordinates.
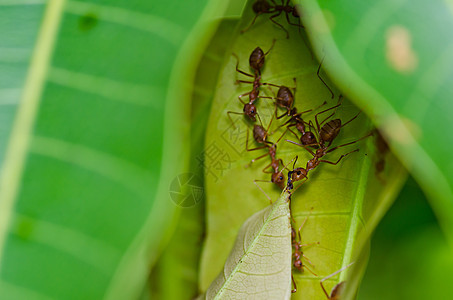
(337, 290)
(264, 7)
(298, 254)
(260, 135)
(256, 62)
(326, 134)
(307, 137)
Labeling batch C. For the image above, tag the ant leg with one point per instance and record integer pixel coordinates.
(269, 126)
(304, 146)
(251, 24)
(258, 158)
(256, 183)
(240, 97)
(272, 46)
(333, 274)
(292, 132)
(305, 267)
(350, 143)
(294, 24)
(319, 76)
(341, 157)
(281, 136)
(267, 167)
(240, 71)
(243, 81)
(351, 119)
(236, 113)
(306, 178)
(321, 112)
(279, 117)
(303, 223)
(278, 24)
(325, 292)
(295, 287)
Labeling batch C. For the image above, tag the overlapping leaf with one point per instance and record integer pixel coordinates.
(347, 199)
(83, 194)
(259, 265)
(399, 70)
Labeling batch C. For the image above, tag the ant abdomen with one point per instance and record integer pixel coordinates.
(285, 98)
(330, 130)
(259, 134)
(256, 59)
(261, 6)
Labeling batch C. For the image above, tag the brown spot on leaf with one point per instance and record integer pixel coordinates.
(399, 50)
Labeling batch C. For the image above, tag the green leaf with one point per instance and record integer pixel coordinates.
(258, 267)
(396, 69)
(84, 192)
(176, 274)
(348, 199)
(409, 226)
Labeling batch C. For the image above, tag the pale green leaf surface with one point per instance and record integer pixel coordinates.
(345, 198)
(19, 25)
(397, 66)
(258, 266)
(83, 164)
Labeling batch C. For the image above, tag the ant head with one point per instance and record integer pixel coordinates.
(298, 174)
(256, 59)
(300, 126)
(250, 111)
(261, 6)
(293, 233)
(278, 179)
(308, 138)
(298, 264)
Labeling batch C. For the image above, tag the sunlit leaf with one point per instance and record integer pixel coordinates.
(347, 199)
(397, 66)
(258, 266)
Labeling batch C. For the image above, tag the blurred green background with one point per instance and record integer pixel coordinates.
(102, 92)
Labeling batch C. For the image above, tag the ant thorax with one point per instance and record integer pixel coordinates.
(308, 138)
(284, 97)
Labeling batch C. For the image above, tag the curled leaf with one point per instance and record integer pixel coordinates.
(259, 266)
